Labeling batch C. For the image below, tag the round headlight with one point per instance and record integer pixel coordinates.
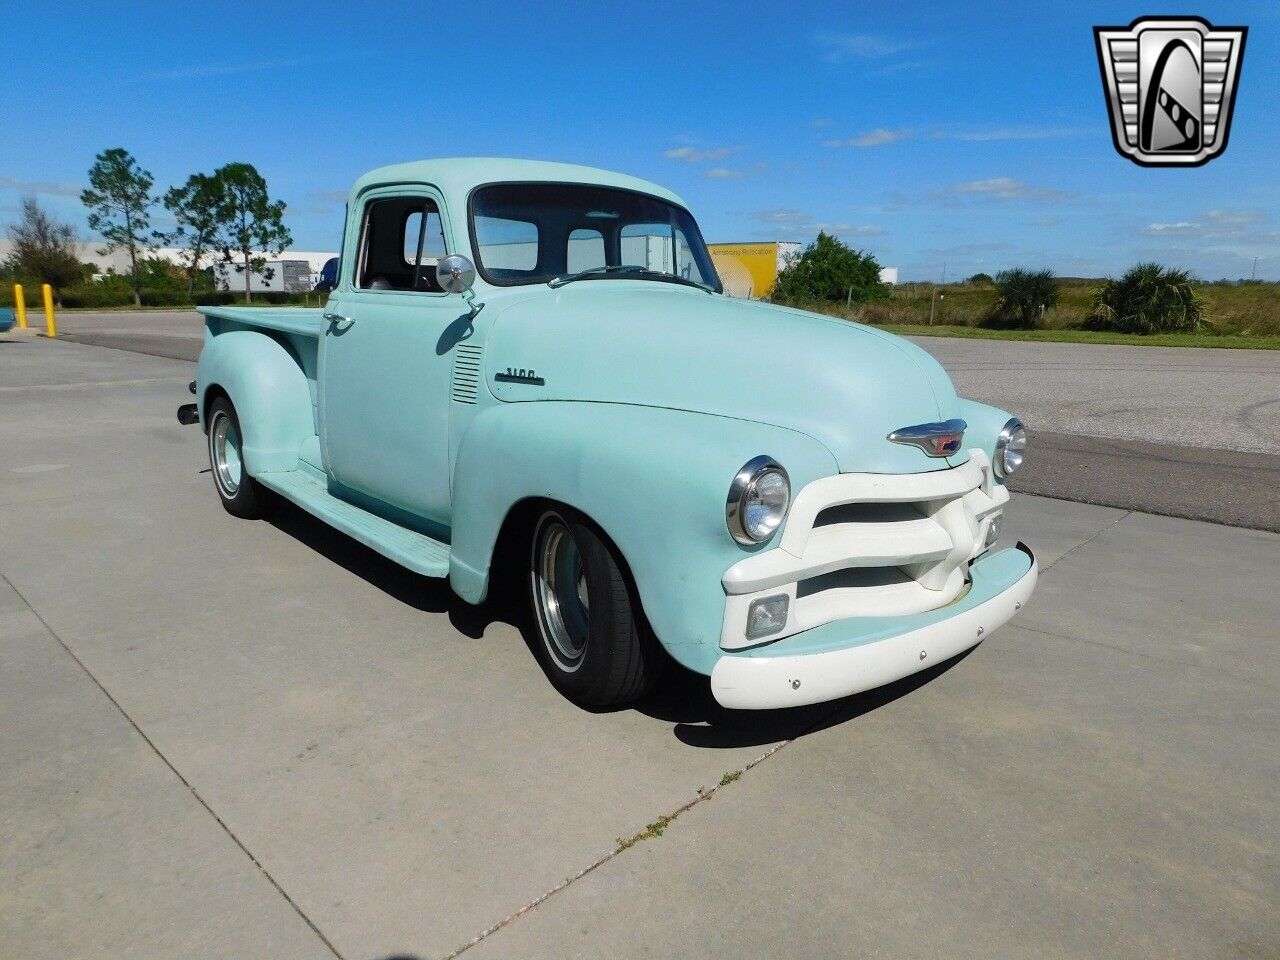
(758, 500)
(1010, 446)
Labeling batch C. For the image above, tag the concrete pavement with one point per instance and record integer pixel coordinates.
(259, 739)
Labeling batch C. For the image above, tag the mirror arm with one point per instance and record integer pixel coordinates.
(470, 297)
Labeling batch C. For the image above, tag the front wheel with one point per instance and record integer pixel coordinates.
(239, 492)
(593, 641)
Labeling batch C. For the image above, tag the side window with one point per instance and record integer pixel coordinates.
(427, 231)
(507, 247)
(586, 250)
(402, 240)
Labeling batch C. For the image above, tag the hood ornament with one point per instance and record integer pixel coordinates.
(935, 439)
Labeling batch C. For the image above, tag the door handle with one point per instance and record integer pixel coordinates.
(336, 318)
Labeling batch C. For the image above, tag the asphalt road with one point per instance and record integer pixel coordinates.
(229, 739)
(1183, 432)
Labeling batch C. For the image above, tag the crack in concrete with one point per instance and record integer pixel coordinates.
(1084, 543)
(174, 770)
(626, 844)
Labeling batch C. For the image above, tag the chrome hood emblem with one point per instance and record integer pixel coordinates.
(935, 439)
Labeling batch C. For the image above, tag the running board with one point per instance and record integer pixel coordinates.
(410, 549)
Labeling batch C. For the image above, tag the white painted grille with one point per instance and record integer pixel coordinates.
(869, 545)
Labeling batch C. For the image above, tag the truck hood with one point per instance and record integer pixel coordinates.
(653, 344)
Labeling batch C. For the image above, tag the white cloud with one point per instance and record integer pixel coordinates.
(799, 223)
(1182, 228)
(872, 138)
(1005, 188)
(201, 70)
(1235, 216)
(723, 173)
(840, 47)
(40, 186)
(782, 216)
(1217, 224)
(1012, 133)
(329, 196)
(691, 154)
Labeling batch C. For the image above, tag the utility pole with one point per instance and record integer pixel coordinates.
(1254, 275)
(934, 299)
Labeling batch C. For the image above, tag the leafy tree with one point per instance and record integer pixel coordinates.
(1022, 296)
(44, 250)
(119, 202)
(248, 220)
(196, 207)
(981, 279)
(829, 270)
(1149, 298)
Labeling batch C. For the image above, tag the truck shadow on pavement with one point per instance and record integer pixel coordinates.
(680, 697)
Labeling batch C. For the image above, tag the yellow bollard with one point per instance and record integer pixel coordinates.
(20, 306)
(50, 326)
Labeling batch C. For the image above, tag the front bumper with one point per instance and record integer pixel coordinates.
(852, 655)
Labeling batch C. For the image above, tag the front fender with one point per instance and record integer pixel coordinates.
(269, 391)
(655, 480)
(984, 425)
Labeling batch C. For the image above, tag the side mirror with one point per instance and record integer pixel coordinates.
(455, 274)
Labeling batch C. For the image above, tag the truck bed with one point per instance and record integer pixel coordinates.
(304, 321)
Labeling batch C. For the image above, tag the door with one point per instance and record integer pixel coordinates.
(385, 359)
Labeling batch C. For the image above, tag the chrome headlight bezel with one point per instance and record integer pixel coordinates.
(744, 483)
(1010, 449)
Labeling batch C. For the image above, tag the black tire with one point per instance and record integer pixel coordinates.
(240, 494)
(598, 652)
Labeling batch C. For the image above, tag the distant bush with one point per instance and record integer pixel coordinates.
(830, 271)
(981, 280)
(1149, 298)
(96, 295)
(1022, 297)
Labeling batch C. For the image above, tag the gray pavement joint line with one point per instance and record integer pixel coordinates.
(85, 384)
(1085, 543)
(165, 760)
(625, 844)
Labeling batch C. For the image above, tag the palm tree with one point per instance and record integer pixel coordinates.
(1022, 297)
(1149, 298)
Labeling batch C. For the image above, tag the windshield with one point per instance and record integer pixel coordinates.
(538, 232)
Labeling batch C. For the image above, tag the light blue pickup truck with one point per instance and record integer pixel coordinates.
(535, 363)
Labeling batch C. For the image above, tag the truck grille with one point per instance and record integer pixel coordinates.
(869, 545)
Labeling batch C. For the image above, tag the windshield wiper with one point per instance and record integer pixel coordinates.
(627, 268)
(672, 278)
(595, 272)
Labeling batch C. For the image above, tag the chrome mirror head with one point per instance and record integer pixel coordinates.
(455, 274)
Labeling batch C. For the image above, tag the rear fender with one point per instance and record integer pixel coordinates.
(269, 391)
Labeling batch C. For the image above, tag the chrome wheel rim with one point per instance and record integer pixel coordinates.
(224, 454)
(560, 593)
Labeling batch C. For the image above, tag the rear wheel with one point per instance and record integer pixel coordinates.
(593, 641)
(240, 493)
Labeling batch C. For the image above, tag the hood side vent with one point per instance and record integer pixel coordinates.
(466, 373)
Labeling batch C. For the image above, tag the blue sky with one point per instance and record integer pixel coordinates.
(924, 132)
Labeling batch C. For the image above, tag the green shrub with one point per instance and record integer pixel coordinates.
(1149, 298)
(97, 295)
(981, 280)
(1022, 297)
(830, 271)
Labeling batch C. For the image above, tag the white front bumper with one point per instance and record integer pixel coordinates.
(764, 682)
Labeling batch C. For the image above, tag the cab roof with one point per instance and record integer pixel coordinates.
(458, 176)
